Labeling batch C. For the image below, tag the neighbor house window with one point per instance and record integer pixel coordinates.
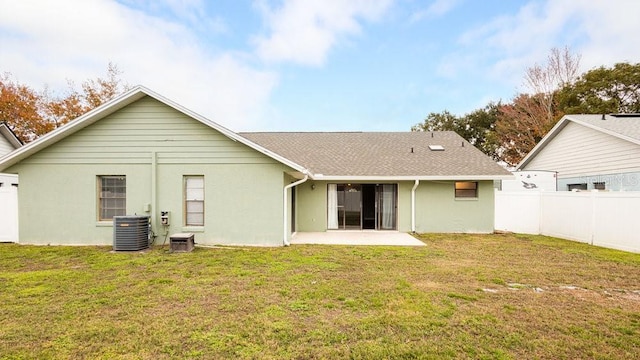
(466, 189)
(194, 200)
(599, 185)
(112, 197)
(582, 186)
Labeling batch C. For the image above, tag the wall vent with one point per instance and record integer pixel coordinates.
(130, 233)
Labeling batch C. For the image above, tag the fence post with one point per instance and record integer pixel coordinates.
(539, 212)
(592, 226)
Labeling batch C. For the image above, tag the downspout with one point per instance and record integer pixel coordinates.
(413, 206)
(285, 228)
(154, 192)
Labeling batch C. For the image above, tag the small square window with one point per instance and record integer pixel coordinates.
(466, 189)
(599, 186)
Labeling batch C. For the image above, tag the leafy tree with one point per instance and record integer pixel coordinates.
(507, 132)
(22, 107)
(481, 124)
(444, 121)
(521, 125)
(604, 91)
(31, 114)
(475, 127)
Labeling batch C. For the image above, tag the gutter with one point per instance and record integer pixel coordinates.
(285, 236)
(413, 205)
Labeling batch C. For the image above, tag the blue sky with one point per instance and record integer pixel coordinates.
(312, 65)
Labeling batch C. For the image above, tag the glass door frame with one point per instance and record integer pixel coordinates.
(348, 206)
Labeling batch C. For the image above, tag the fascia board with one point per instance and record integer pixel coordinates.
(411, 178)
(8, 134)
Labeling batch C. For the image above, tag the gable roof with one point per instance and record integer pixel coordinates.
(337, 155)
(7, 133)
(116, 104)
(622, 126)
(382, 155)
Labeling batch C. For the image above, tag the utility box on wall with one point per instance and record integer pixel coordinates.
(182, 242)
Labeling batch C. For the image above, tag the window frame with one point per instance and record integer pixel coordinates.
(187, 201)
(101, 206)
(577, 187)
(600, 185)
(459, 193)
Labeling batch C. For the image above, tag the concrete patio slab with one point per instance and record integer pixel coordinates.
(393, 238)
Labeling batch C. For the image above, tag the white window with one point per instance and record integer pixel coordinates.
(194, 200)
(466, 189)
(112, 197)
(576, 187)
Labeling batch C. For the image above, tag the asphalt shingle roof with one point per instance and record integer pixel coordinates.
(379, 153)
(625, 125)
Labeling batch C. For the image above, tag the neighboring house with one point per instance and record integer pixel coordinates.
(144, 154)
(8, 140)
(591, 152)
(529, 180)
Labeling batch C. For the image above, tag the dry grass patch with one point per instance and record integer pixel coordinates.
(461, 296)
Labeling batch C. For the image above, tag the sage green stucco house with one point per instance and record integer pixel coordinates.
(144, 154)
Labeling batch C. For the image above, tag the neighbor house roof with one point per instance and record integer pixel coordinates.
(382, 155)
(8, 134)
(623, 126)
(116, 104)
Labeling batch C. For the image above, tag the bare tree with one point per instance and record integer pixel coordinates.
(524, 121)
(544, 81)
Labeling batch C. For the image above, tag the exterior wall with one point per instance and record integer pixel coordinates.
(312, 205)
(613, 182)
(8, 180)
(531, 181)
(5, 146)
(578, 152)
(155, 147)
(8, 214)
(437, 210)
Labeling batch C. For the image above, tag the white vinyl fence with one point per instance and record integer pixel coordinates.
(8, 214)
(608, 219)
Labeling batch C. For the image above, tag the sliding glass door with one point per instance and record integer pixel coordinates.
(387, 205)
(362, 206)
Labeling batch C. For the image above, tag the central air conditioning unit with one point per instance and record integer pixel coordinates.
(130, 233)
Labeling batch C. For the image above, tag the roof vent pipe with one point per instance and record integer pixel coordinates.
(463, 144)
(412, 150)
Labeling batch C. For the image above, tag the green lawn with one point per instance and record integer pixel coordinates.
(461, 296)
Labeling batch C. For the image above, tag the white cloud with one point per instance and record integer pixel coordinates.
(304, 31)
(436, 9)
(602, 32)
(50, 42)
